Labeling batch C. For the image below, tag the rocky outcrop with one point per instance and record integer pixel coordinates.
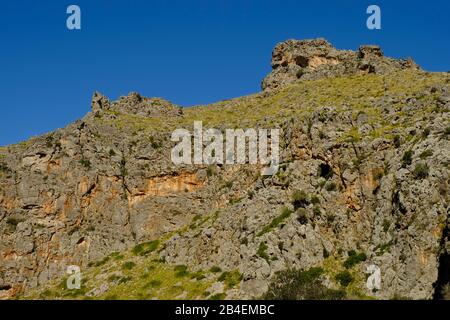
(135, 104)
(295, 60)
(364, 168)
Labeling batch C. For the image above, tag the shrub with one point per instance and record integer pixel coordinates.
(215, 269)
(181, 271)
(344, 278)
(128, 265)
(99, 263)
(217, 296)
(206, 294)
(301, 216)
(285, 213)
(4, 167)
(397, 141)
(85, 163)
(447, 131)
(426, 154)
(230, 278)
(317, 211)
(421, 171)
(154, 283)
(386, 225)
(198, 275)
(354, 258)
(262, 251)
(407, 158)
(315, 200)
(145, 248)
(325, 171)
(331, 186)
(14, 221)
(299, 199)
(117, 256)
(298, 285)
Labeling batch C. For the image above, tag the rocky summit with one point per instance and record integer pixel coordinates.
(363, 185)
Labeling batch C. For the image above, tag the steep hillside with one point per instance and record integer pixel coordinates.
(364, 180)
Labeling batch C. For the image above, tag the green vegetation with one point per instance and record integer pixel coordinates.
(262, 251)
(99, 263)
(354, 258)
(285, 213)
(230, 278)
(407, 158)
(330, 186)
(386, 225)
(447, 131)
(85, 163)
(301, 285)
(381, 249)
(302, 217)
(299, 199)
(317, 211)
(427, 153)
(397, 141)
(14, 221)
(145, 248)
(315, 200)
(344, 278)
(128, 265)
(218, 296)
(181, 271)
(215, 269)
(421, 171)
(4, 167)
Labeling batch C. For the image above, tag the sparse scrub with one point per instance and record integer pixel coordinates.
(407, 158)
(302, 217)
(330, 186)
(354, 258)
(230, 278)
(262, 251)
(128, 265)
(181, 271)
(421, 171)
(344, 278)
(300, 285)
(285, 213)
(299, 199)
(215, 269)
(145, 248)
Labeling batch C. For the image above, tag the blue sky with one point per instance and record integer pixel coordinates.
(189, 52)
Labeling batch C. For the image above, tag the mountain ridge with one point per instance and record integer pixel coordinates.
(359, 148)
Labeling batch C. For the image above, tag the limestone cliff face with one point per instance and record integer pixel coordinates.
(365, 168)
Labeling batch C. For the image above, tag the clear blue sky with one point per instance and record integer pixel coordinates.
(190, 52)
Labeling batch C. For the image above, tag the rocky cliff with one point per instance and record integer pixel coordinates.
(364, 180)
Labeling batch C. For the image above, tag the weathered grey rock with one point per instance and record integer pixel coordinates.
(295, 60)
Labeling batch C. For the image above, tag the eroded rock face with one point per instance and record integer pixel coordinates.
(106, 183)
(135, 104)
(295, 60)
